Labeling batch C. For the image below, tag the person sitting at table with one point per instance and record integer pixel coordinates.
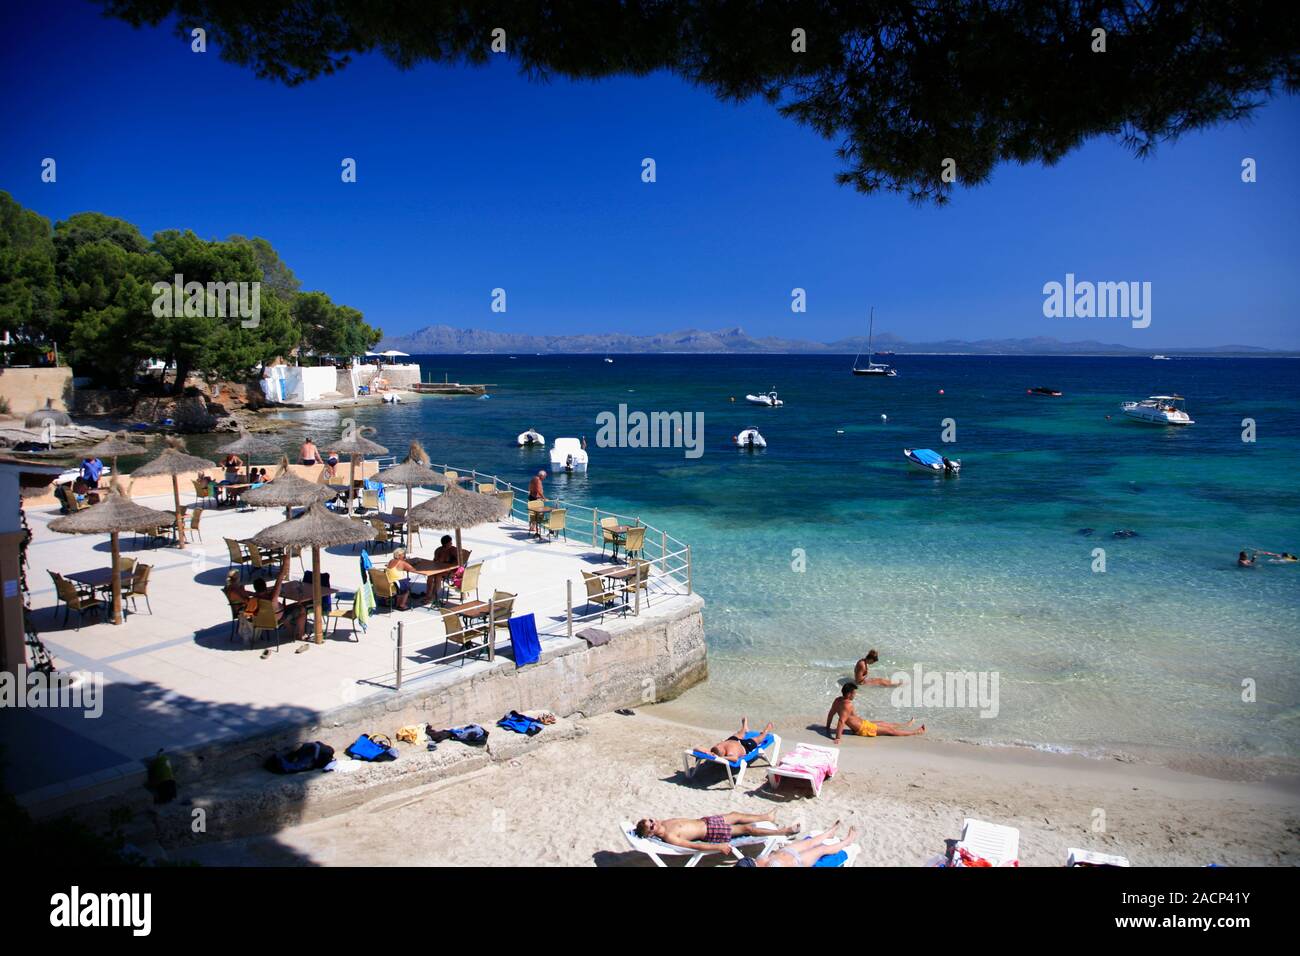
(295, 615)
(83, 491)
(396, 570)
(447, 553)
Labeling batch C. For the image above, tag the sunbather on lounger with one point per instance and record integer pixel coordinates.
(710, 834)
(738, 745)
(860, 726)
(861, 669)
(806, 852)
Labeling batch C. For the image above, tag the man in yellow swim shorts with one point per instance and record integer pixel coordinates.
(842, 710)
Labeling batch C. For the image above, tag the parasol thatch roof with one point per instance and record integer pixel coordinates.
(315, 527)
(173, 461)
(114, 445)
(356, 443)
(115, 512)
(413, 472)
(49, 414)
(250, 444)
(286, 490)
(456, 508)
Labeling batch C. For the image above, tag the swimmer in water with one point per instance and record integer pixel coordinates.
(861, 668)
(1245, 560)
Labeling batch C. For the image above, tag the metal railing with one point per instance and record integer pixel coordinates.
(666, 559)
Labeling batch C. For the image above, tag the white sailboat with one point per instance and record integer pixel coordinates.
(872, 368)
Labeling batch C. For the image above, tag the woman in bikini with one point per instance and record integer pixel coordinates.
(740, 743)
(805, 852)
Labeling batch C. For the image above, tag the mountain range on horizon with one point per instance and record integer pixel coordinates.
(444, 339)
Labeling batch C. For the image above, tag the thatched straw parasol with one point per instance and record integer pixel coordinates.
(412, 473)
(115, 514)
(356, 446)
(174, 461)
(248, 445)
(319, 528)
(114, 445)
(286, 490)
(456, 508)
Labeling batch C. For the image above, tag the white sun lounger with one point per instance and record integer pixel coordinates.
(998, 844)
(1077, 857)
(657, 849)
(777, 773)
(692, 759)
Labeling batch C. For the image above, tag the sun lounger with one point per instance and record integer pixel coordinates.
(993, 843)
(1076, 857)
(657, 849)
(845, 858)
(767, 748)
(811, 762)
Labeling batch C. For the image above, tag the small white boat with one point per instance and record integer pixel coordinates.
(609, 360)
(769, 399)
(931, 462)
(1160, 358)
(1159, 410)
(568, 455)
(749, 439)
(531, 437)
(391, 398)
(872, 368)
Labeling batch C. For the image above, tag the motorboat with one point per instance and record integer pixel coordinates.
(1160, 358)
(749, 439)
(1159, 410)
(608, 360)
(765, 398)
(531, 437)
(1043, 390)
(872, 368)
(931, 462)
(568, 455)
(390, 398)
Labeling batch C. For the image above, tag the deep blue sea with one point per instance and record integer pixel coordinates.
(1173, 653)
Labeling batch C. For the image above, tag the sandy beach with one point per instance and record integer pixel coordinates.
(560, 805)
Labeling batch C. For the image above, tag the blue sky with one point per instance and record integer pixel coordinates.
(471, 179)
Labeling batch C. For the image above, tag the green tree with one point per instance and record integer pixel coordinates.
(901, 86)
(330, 329)
(29, 289)
(277, 278)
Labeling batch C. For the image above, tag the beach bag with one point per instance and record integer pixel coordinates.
(372, 747)
(471, 734)
(457, 576)
(310, 756)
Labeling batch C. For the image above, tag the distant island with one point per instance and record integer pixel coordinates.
(443, 339)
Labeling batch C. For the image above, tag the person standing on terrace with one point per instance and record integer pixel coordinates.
(535, 490)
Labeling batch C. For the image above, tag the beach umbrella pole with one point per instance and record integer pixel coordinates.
(352, 480)
(180, 520)
(117, 583)
(315, 590)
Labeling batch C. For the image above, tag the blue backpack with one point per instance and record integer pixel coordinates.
(372, 747)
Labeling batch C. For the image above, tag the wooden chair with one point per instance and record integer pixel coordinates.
(508, 497)
(535, 507)
(634, 543)
(555, 523)
(641, 582)
(383, 535)
(457, 633)
(385, 589)
(140, 586)
(503, 605)
(596, 593)
(238, 556)
(236, 608)
(267, 619)
(468, 582)
(609, 537)
(340, 613)
(125, 565)
(203, 490)
(369, 499)
(196, 515)
(259, 561)
(74, 599)
(487, 488)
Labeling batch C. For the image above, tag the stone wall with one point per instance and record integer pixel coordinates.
(397, 376)
(27, 389)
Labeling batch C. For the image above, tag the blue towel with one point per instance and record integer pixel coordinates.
(752, 755)
(523, 640)
(835, 859)
(366, 565)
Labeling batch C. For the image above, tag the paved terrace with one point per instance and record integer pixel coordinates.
(175, 679)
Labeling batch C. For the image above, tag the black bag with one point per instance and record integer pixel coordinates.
(309, 756)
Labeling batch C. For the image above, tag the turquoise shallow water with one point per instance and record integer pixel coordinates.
(987, 572)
